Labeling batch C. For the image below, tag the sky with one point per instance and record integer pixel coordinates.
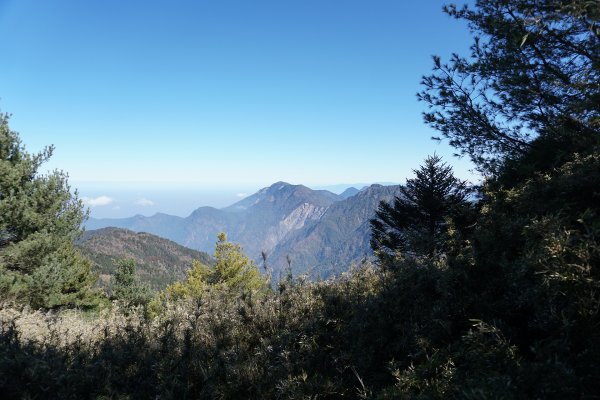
(171, 105)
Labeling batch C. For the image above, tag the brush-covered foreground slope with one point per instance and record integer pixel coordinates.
(321, 232)
(159, 261)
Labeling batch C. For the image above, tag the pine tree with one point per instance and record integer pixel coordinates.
(525, 106)
(417, 222)
(39, 220)
(532, 76)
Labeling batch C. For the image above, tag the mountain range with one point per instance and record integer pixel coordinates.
(319, 232)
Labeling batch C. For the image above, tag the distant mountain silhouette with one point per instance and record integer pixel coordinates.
(319, 230)
(351, 191)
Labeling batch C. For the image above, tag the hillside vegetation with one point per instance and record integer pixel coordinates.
(159, 261)
(497, 298)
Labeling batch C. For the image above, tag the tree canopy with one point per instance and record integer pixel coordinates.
(126, 287)
(39, 219)
(417, 222)
(233, 272)
(533, 73)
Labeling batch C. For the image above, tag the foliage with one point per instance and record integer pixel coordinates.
(233, 272)
(533, 72)
(39, 219)
(511, 310)
(413, 331)
(195, 284)
(127, 290)
(418, 221)
(233, 269)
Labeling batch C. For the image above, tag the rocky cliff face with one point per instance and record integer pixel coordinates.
(297, 219)
(341, 236)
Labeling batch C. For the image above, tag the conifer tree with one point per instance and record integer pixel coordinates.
(39, 220)
(194, 285)
(418, 220)
(234, 269)
(233, 272)
(127, 289)
(532, 76)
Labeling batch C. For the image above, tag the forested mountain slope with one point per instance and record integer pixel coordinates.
(159, 261)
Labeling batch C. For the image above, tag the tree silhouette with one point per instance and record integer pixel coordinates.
(417, 222)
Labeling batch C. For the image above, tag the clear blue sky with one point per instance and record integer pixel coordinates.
(229, 94)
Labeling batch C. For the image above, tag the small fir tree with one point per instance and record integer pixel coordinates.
(418, 221)
(127, 288)
(233, 272)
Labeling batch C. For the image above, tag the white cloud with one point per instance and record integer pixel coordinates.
(242, 195)
(142, 201)
(97, 201)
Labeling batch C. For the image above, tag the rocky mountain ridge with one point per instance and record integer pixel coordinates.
(319, 230)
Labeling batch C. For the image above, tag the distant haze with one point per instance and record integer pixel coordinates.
(120, 201)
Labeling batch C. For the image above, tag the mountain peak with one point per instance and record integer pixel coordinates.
(284, 195)
(351, 191)
(280, 184)
(277, 186)
(316, 227)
